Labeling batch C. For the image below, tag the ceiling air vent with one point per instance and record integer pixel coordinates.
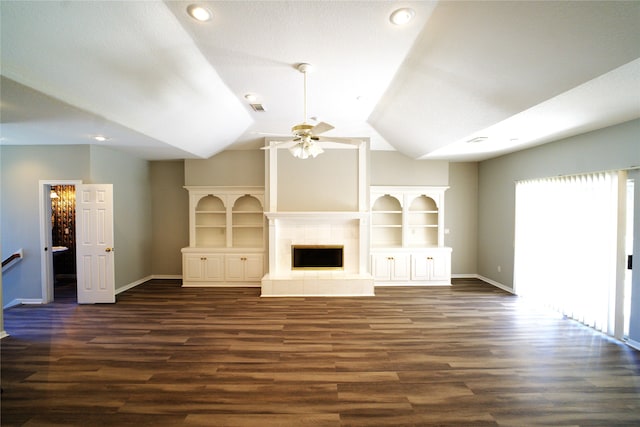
(258, 107)
(477, 139)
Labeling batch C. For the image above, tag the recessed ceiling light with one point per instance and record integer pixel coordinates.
(199, 13)
(100, 138)
(402, 16)
(251, 97)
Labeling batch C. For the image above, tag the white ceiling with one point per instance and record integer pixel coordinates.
(160, 85)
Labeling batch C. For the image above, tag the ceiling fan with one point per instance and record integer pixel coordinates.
(306, 136)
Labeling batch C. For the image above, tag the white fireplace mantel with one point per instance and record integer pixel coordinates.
(324, 217)
(349, 229)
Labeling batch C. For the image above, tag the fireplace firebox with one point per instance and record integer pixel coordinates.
(317, 257)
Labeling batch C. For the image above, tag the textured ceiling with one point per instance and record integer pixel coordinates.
(162, 85)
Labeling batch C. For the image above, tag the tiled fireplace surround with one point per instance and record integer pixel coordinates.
(347, 229)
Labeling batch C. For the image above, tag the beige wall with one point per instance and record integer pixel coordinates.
(611, 148)
(233, 167)
(327, 183)
(21, 167)
(170, 220)
(461, 217)
(24, 166)
(393, 168)
(131, 211)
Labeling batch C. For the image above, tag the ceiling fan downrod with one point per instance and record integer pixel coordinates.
(305, 68)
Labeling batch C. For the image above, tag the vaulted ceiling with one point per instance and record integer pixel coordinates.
(161, 85)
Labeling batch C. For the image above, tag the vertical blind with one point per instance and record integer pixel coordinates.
(565, 245)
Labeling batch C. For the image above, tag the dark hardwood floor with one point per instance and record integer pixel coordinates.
(466, 355)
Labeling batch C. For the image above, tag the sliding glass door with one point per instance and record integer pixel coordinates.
(569, 246)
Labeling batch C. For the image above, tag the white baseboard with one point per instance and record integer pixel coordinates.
(633, 343)
(133, 284)
(146, 279)
(465, 276)
(12, 303)
(20, 301)
(491, 282)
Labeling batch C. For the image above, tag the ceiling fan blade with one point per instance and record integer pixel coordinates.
(340, 140)
(321, 128)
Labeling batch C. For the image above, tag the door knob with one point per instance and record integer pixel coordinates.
(108, 249)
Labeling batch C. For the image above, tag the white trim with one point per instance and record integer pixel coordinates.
(363, 183)
(133, 284)
(465, 276)
(146, 279)
(484, 279)
(413, 283)
(632, 343)
(166, 276)
(496, 284)
(191, 284)
(23, 301)
(12, 304)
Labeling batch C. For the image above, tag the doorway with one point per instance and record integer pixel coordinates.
(63, 240)
(58, 239)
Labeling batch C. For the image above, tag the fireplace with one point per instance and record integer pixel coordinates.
(317, 245)
(330, 247)
(317, 257)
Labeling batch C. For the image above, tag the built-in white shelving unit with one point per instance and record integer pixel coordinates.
(226, 237)
(407, 235)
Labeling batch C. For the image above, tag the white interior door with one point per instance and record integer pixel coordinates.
(94, 243)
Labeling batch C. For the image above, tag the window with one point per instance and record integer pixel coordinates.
(566, 246)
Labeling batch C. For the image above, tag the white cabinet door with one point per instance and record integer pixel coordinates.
(432, 266)
(441, 267)
(192, 267)
(202, 268)
(235, 268)
(380, 267)
(421, 267)
(400, 266)
(389, 266)
(244, 268)
(213, 268)
(254, 268)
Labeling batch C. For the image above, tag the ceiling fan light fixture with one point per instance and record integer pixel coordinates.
(298, 151)
(305, 149)
(199, 13)
(402, 16)
(314, 149)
